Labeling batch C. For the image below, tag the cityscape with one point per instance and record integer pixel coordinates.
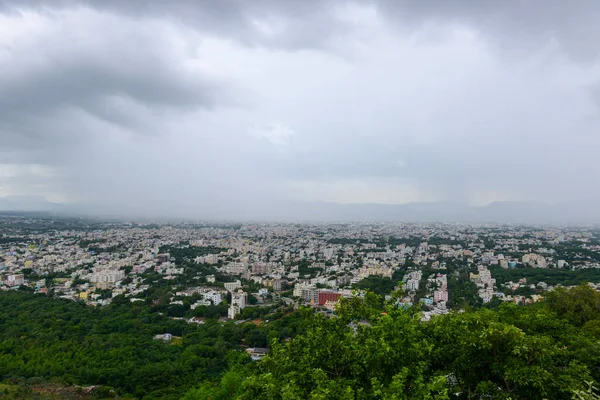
(299, 200)
(225, 267)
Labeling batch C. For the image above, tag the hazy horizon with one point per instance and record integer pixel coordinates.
(240, 108)
(503, 212)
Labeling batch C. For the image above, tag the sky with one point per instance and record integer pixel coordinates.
(214, 106)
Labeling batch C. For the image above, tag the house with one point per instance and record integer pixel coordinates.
(165, 337)
(427, 301)
(330, 305)
(256, 353)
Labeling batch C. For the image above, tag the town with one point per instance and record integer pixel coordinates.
(194, 271)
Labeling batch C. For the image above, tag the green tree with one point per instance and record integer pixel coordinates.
(579, 305)
(513, 352)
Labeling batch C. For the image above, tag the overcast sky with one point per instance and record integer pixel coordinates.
(240, 104)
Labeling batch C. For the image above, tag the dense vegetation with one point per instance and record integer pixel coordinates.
(190, 252)
(544, 351)
(549, 276)
(462, 292)
(377, 284)
(369, 350)
(305, 269)
(47, 338)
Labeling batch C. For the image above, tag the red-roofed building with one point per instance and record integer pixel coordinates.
(324, 297)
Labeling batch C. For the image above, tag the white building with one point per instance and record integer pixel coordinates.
(199, 303)
(215, 297)
(231, 286)
(166, 337)
(233, 311)
(236, 268)
(307, 292)
(107, 276)
(239, 299)
(412, 284)
(15, 280)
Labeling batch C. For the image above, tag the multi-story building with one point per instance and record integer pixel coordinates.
(485, 283)
(231, 286)
(307, 292)
(440, 295)
(214, 297)
(236, 268)
(534, 260)
(239, 299)
(14, 280)
(106, 278)
(233, 311)
(325, 296)
(412, 284)
(261, 268)
(279, 285)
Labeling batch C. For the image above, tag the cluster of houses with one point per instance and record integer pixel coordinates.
(320, 262)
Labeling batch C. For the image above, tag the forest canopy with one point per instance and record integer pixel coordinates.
(543, 351)
(368, 350)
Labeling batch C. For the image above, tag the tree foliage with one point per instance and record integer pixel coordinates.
(369, 352)
(377, 284)
(48, 338)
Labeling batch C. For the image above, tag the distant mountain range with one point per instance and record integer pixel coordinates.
(501, 212)
(29, 204)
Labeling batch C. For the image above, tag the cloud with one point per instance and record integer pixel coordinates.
(68, 66)
(514, 28)
(276, 134)
(348, 191)
(513, 25)
(288, 24)
(30, 179)
(205, 107)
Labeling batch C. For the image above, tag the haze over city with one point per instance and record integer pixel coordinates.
(242, 109)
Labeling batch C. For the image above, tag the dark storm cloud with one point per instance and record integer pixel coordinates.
(200, 104)
(97, 88)
(290, 24)
(513, 24)
(117, 76)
